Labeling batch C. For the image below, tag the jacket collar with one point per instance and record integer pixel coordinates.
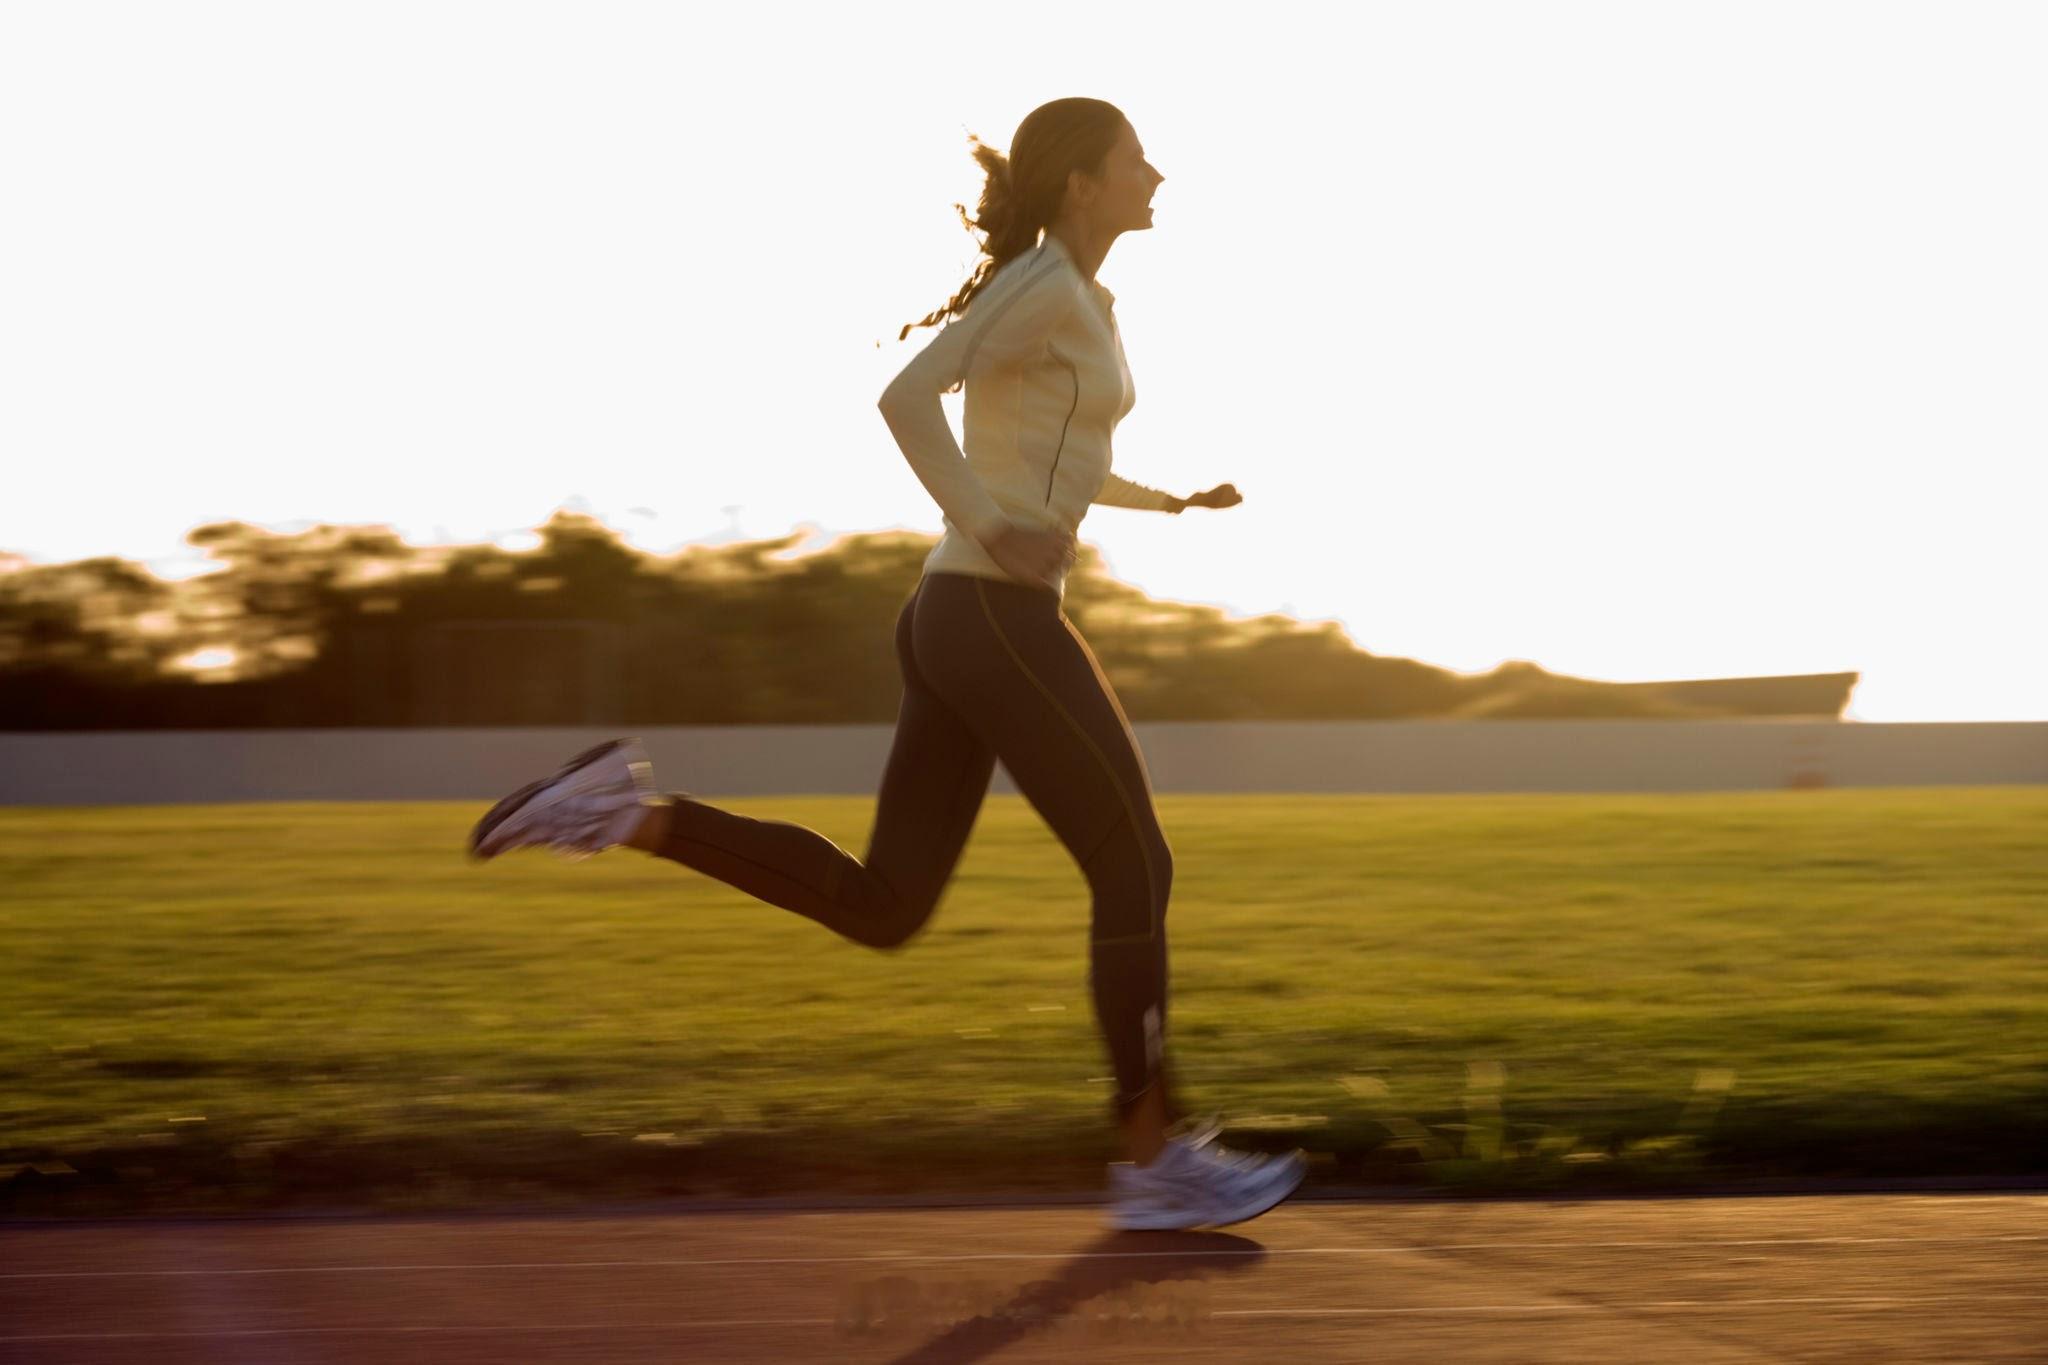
(1059, 248)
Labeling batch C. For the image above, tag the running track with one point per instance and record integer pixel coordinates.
(1861, 1278)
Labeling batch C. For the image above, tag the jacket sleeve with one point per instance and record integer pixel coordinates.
(1006, 323)
(1121, 492)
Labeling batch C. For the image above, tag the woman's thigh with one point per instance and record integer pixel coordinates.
(937, 773)
(1007, 662)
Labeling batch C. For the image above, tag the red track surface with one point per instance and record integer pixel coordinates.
(1863, 1278)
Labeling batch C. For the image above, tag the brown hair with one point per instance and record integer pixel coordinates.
(1024, 190)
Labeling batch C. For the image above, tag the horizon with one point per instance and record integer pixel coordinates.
(1641, 345)
(810, 540)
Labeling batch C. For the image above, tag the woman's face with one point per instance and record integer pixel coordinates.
(1123, 199)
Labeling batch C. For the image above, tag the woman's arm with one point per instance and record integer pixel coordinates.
(1119, 492)
(1007, 322)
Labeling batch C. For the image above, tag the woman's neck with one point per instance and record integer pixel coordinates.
(1086, 249)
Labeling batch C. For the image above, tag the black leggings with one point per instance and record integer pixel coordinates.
(991, 670)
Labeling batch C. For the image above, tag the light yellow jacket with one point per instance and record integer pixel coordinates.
(1046, 383)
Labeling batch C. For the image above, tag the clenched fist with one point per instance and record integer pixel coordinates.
(1222, 495)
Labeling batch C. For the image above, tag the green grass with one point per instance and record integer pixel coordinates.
(293, 1003)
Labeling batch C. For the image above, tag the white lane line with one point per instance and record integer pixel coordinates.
(504, 1328)
(1440, 1310)
(1647, 1305)
(905, 1257)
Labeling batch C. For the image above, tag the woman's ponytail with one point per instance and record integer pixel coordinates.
(1022, 193)
(1004, 225)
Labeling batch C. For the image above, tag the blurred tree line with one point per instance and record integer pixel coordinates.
(349, 625)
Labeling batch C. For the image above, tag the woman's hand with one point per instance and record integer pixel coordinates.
(1032, 556)
(1222, 495)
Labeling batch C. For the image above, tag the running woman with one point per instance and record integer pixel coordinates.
(992, 670)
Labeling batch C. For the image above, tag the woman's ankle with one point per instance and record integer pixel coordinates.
(1145, 1127)
(651, 835)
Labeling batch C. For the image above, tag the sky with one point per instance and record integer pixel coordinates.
(1640, 340)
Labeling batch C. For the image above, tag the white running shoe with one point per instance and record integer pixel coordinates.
(593, 802)
(1198, 1131)
(1200, 1186)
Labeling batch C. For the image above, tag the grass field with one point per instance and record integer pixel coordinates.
(327, 1003)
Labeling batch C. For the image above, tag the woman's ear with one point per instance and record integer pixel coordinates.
(1080, 189)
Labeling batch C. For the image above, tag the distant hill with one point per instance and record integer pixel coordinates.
(1522, 690)
(349, 625)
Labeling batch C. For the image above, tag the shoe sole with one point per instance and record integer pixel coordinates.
(511, 805)
(1176, 1222)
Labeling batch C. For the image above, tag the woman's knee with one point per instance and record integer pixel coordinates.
(893, 937)
(1130, 880)
(903, 922)
(888, 921)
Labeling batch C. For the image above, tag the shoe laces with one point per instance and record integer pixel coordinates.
(1213, 1160)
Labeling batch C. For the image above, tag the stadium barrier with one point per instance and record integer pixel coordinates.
(159, 767)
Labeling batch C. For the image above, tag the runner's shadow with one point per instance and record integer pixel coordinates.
(1114, 1261)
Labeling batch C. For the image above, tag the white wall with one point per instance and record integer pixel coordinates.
(97, 768)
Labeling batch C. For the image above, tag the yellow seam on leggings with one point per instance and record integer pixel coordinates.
(1130, 811)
